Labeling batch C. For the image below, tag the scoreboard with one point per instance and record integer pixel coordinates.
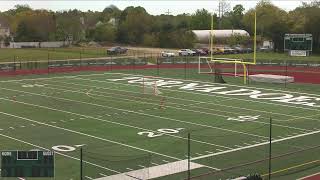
(298, 44)
(27, 164)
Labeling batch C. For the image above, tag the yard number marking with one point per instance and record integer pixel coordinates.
(63, 148)
(244, 118)
(32, 85)
(160, 132)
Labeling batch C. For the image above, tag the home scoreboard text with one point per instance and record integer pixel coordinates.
(27, 164)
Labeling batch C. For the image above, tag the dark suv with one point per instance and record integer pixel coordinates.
(117, 50)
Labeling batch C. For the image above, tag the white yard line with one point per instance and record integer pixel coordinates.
(256, 145)
(174, 107)
(260, 122)
(91, 136)
(200, 102)
(121, 124)
(101, 174)
(71, 157)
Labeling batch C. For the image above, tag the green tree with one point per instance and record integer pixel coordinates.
(105, 32)
(201, 20)
(272, 23)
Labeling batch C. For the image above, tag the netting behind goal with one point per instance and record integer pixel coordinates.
(223, 69)
(149, 86)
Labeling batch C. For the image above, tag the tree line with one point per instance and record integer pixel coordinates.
(134, 25)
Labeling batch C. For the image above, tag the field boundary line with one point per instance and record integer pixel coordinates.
(196, 111)
(150, 115)
(71, 157)
(256, 145)
(88, 135)
(232, 85)
(302, 178)
(190, 100)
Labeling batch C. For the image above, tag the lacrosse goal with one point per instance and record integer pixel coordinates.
(223, 67)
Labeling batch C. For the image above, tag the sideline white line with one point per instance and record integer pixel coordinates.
(302, 178)
(255, 145)
(121, 124)
(91, 136)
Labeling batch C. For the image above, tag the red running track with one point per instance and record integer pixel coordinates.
(300, 74)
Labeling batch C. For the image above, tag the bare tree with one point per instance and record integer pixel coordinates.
(224, 7)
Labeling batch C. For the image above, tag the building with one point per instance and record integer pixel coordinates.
(4, 28)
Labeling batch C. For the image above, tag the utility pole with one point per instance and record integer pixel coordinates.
(168, 12)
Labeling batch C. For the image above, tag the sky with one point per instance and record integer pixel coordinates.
(154, 7)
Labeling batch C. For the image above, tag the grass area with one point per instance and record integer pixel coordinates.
(121, 129)
(263, 56)
(36, 54)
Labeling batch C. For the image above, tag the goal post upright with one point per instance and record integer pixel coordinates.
(229, 60)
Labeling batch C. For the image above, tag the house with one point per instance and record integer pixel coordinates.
(4, 28)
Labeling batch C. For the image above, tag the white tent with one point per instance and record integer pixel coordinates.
(203, 36)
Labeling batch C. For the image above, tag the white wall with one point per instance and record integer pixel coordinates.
(54, 44)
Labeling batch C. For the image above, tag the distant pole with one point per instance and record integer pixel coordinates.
(285, 83)
(270, 143)
(185, 68)
(189, 154)
(81, 168)
(14, 63)
(168, 12)
(48, 63)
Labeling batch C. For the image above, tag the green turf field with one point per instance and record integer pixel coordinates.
(123, 130)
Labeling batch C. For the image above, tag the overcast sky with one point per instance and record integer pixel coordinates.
(154, 7)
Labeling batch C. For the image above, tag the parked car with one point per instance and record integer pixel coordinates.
(265, 49)
(167, 54)
(206, 50)
(186, 52)
(117, 50)
(199, 52)
(228, 50)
